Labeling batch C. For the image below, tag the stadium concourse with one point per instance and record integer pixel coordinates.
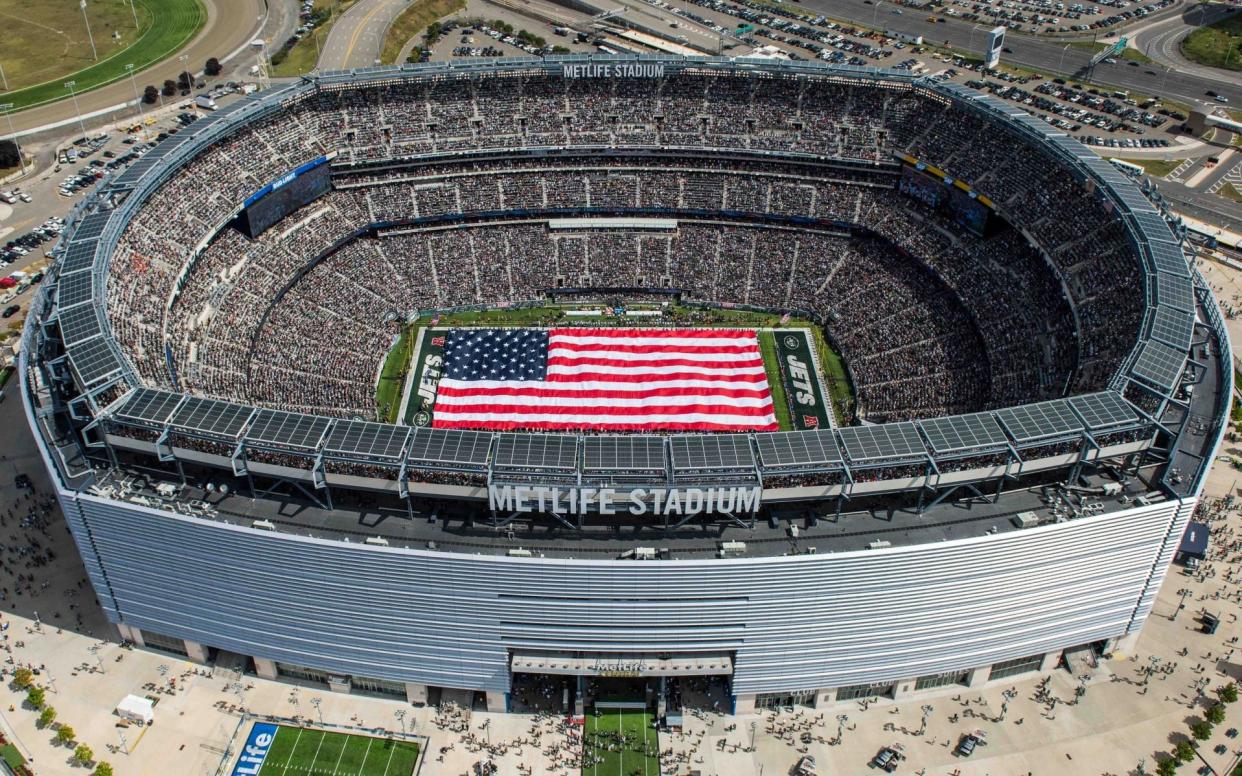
(1041, 376)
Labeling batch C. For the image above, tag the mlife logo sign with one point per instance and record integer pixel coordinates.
(255, 751)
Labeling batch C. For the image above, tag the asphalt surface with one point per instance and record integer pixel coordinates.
(357, 38)
(1039, 53)
(230, 24)
(1161, 41)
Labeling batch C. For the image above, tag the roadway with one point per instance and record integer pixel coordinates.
(357, 38)
(1161, 40)
(231, 24)
(1049, 55)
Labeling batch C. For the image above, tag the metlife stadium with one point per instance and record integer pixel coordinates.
(229, 505)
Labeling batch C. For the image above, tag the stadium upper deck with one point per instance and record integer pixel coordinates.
(133, 250)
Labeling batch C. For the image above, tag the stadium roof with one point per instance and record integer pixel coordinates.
(286, 429)
(958, 433)
(537, 451)
(1044, 421)
(697, 452)
(367, 440)
(623, 453)
(886, 442)
(449, 447)
(799, 449)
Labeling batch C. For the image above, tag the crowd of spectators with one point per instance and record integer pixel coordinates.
(932, 318)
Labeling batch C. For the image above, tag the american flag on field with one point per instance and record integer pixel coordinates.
(604, 379)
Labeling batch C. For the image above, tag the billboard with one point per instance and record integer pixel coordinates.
(284, 195)
(996, 43)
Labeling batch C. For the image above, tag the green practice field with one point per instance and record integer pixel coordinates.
(607, 756)
(304, 751)
(46, 43)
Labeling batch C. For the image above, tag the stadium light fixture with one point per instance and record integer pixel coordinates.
(137, 99)
(89, 34)
(81, 124)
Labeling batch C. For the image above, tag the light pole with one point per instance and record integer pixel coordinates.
(137, 98)
(753, 724)
(185, 70)
(318, 703)
(89, 34)
(400, 715)
(81, 124)
(1061, 64)
(875, 14)
(94, 650)
(8, 114)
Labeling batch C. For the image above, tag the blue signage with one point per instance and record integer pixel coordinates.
(256, 748)
(284, 180)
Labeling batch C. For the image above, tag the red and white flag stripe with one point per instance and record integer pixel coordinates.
(624, 380)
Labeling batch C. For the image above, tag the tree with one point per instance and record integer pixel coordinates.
(8, 156)
(1201, 730)
(213, 67)
(1216, 714)
(103, 769)
(1183, 752)
(1167, 767)
(1228, 693)
(170, 87)
(65, 735)
(35, 697)
(150, 95)
(83, 754)
(22, 677)
(47, 717)
(185, 80)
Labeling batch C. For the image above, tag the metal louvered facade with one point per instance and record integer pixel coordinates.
(805, 622)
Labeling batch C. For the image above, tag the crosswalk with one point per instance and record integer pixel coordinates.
(1234, 177)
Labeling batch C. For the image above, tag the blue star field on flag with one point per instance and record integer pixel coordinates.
(496, 354)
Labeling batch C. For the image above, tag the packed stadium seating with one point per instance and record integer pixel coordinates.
(931, 318)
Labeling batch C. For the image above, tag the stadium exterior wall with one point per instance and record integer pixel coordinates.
(793, 623)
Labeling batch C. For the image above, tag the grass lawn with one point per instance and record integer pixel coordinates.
(11, 756)
(1216, 45)
(1229, 191)
(622, 759)
(771, 365)
(304, 56)
(392, 377)
(1156, 167)
(412, 20)
(45, 43)
(306, 751)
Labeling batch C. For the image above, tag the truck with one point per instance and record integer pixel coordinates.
(204, 102)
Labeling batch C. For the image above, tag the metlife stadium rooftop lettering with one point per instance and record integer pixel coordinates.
(617, 70)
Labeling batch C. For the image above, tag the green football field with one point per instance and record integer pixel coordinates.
(606, 756)
(304, 751)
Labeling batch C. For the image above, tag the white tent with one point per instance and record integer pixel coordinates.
(136, 709)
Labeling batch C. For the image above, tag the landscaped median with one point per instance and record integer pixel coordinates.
(1216, 45)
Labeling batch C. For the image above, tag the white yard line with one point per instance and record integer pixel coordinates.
(285, 767)
(362, 768)
(336, 768)
(315, 758)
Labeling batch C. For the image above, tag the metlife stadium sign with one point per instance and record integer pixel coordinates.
(613, 70)
(565, 500)
(255, 751)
